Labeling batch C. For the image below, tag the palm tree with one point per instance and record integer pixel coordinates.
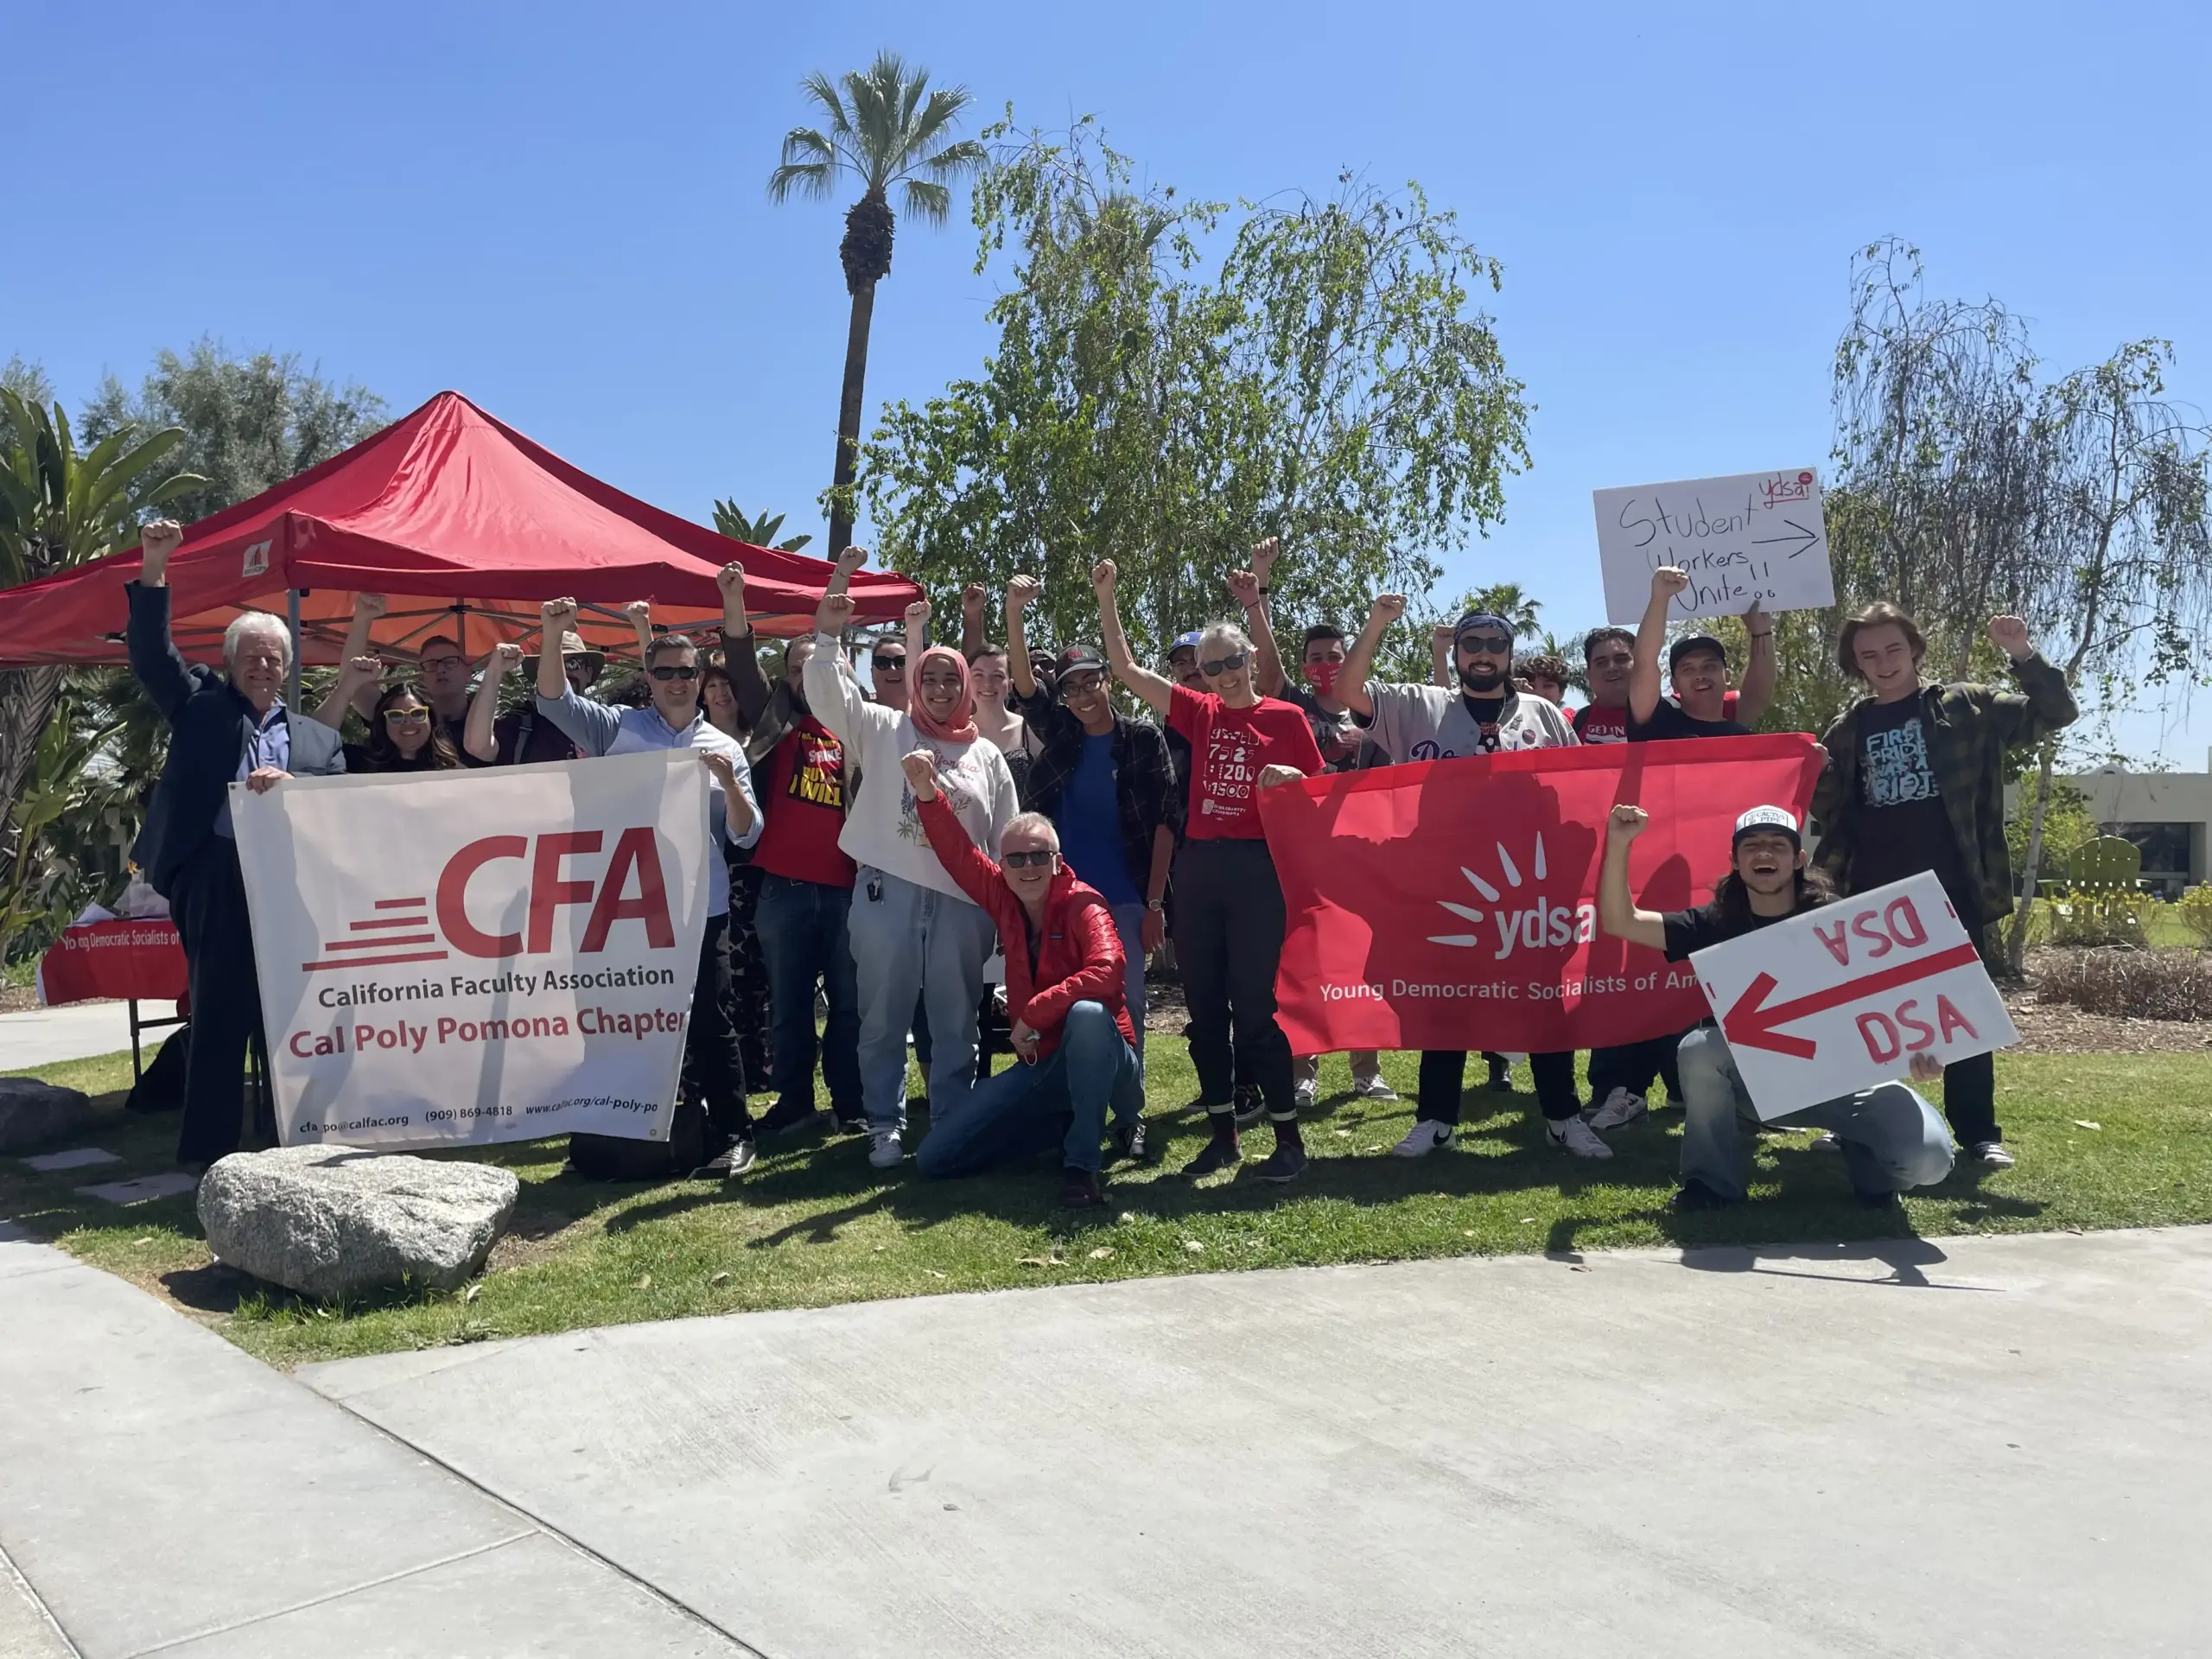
(883, 128)
(60, 508)
(1505, 599)
(732, 521)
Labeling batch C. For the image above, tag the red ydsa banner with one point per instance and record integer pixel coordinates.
(1453, 904)
(93, 960)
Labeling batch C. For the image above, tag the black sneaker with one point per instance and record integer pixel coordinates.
(1080, 1189)
(848, 1120)
(734, 1160)
(1219, 1154)
(1132, 1143)
(1284, 1165)
(787, 1115)
(1249, 1107)
(1696, 1195)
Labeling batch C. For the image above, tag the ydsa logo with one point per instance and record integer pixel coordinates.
(502, 896)
(1511, 923)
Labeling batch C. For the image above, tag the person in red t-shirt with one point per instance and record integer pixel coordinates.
(1228, 907)
(806, 879)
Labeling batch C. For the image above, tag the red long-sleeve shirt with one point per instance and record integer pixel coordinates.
(1078, 951)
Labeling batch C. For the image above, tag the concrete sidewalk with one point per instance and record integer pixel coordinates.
(77, 1031)
(1994, 1446)
(163, 1492)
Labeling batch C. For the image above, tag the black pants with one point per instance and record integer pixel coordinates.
(1634, 1066)
(1228, 924)
(1443, 1075)
(207, 903)
(713, 1062)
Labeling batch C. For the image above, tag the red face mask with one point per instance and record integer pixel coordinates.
(1322, 676)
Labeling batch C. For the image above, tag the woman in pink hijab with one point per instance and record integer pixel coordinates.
(914, 934)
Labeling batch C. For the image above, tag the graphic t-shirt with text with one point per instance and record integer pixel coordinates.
(1228, 749)
(803, 799)
(1905, 827)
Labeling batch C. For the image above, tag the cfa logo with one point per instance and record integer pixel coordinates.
(1535, 925)
(399, 930)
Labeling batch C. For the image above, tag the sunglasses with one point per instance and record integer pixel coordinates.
(406, 716)
(1490, 645)
(690, 671)
(1214, 667)
(1022, 860)
(888, 664)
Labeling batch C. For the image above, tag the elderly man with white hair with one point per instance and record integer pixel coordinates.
(224, 729)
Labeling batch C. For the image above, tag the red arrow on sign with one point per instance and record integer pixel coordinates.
(1750, 1025)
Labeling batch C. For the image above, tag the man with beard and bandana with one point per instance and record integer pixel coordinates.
(1483, 715)
(806, 882)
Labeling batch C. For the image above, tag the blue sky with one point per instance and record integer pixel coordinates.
(560, 210)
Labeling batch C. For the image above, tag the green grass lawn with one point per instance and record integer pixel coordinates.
(813, 1224)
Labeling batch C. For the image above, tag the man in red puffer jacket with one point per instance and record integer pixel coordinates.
(1063, 993)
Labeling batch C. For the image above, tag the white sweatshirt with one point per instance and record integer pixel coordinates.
(882, 829)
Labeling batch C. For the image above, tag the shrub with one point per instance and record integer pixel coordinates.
(2195, 914)
(2099, 917)
(2169, 984)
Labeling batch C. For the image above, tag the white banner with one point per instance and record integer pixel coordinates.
(456, 957)
(1840, 997)
(1755, 536)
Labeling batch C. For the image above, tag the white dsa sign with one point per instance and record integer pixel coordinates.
(449, 959)
(1755, 535)
(1840, 997)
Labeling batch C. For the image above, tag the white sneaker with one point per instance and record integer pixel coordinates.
(1308, 1091)
(1620, 1107)
(1573, 1135)
(1422, 1139)
(884, 1151)
(1373, 1087)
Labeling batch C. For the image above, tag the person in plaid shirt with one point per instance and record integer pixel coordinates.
(1107, 786)
(1915, 782)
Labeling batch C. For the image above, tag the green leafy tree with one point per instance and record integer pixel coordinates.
(730, 520)
(1332, 385)
(59, 507)
(882, 128)
(1507, 599)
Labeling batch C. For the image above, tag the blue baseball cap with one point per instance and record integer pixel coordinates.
(1186, 641)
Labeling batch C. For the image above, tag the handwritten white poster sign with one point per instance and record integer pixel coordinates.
(1755, 536)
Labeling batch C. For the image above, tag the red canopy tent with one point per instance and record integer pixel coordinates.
(464, 524)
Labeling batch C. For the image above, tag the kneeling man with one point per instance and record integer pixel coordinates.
(1063, 994)
(1892, 1140)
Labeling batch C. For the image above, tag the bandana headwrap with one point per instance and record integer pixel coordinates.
(960, 728)
(1475, 620)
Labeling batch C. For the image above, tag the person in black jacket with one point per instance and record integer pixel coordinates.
(223, 729)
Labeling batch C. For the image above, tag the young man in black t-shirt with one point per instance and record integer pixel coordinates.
(1697, 669)
(1892, 1140)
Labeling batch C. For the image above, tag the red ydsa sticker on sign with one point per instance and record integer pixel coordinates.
(1840, 997)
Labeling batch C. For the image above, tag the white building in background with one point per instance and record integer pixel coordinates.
(2168, 815)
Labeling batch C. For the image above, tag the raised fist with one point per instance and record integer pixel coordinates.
(1263, 558)
(920, 768)
(1388, 607)
(364, 668)
(2009, 635)
(1022, 592)
(156, 542)
(851, 560)
(1628, 822)
(973, 598)
(1103, 577)
(1245, 585)
(834, 614)
(558, 616)
(639, 610)
(917, 624)
(370, 604)
(1442, 635)
(506, 657)
(730, 579)
(1668, 580)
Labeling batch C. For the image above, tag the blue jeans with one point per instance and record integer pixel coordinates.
(908, 940)
(1019, 1113)
(1892, 1138)
(802, 928)
(1128, 921)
